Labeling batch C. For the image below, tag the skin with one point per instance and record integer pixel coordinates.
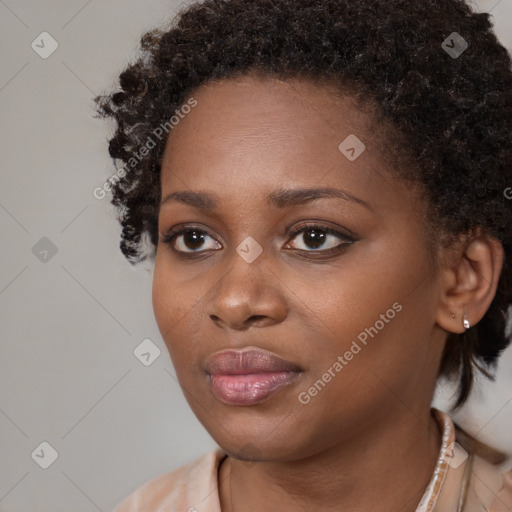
(367, 440)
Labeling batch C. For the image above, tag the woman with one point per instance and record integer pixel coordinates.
(324, 188)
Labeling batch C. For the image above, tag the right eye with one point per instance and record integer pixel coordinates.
(188, 239)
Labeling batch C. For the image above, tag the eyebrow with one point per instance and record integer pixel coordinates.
(282, 198)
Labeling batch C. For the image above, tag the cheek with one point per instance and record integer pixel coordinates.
(170, 304)
(178, 313)
(164, 305)
(343, 303)
(373, 314)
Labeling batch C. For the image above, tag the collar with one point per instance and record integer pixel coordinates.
(448, 487)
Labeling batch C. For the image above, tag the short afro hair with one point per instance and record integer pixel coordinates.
(449, 116)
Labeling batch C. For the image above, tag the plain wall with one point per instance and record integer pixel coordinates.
(69, 325)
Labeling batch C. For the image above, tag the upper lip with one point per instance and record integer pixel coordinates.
(250, 360)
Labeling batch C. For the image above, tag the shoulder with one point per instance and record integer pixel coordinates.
(190, 487)
(470, 476)
(490, 485)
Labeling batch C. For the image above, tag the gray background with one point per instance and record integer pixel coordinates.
(70, 324)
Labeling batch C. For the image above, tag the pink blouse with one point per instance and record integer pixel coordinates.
(462, 482)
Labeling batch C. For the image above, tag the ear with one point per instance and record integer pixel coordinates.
(470, 271)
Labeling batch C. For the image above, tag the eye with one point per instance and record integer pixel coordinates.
(188, 239)
(317, 238)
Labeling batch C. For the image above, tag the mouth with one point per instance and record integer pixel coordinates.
(249, 376)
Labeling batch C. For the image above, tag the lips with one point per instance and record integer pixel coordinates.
(243, 362)
(248, 376)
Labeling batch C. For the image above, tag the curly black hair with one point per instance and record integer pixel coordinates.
(445, 98)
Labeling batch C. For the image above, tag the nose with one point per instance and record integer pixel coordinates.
(248, 294)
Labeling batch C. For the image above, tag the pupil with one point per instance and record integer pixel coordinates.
(193, 240)
(316, 239)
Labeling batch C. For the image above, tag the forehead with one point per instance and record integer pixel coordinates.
(252, 135)
(259, 120)
(270, 109)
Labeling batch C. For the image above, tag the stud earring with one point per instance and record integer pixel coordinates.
(465, 321)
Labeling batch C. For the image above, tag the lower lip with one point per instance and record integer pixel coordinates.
(248, 389)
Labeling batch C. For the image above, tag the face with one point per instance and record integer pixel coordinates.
(340, 285)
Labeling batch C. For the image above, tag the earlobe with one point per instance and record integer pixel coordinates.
(465, 320)
(469, 280)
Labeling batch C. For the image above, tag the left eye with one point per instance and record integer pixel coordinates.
(314, 237)
(183, 238)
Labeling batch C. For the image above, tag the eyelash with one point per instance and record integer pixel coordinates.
(169, 238)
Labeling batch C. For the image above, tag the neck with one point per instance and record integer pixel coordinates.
(387, 468)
